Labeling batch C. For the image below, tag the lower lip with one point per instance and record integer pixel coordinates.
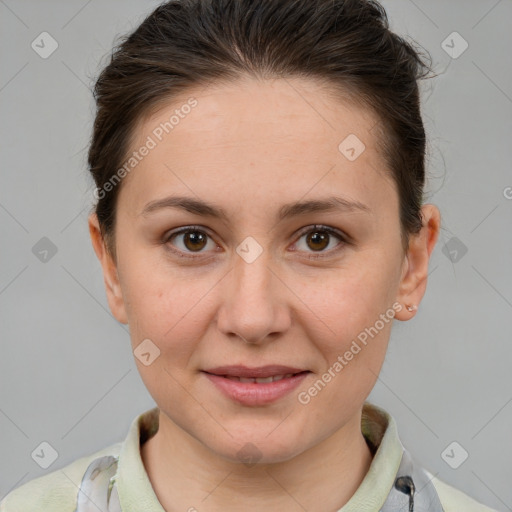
(254, 393)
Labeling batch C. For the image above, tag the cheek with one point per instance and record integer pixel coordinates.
(348, 301)
(153, 296)
(350, 329)
(163, 310)
(168, 306)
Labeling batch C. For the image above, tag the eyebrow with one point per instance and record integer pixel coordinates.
(199, 207)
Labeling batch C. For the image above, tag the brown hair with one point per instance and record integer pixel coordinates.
(344, 44)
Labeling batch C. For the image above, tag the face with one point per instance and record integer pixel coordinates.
(228, 277)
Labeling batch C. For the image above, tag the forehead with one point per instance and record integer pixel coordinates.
(273, 110)
(268, 138)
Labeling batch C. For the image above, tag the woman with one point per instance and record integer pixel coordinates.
(259, 171)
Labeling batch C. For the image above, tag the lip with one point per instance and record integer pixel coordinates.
(254, 393)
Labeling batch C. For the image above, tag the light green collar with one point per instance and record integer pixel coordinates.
(377, 426)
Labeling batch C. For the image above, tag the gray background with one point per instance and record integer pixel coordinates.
(67, 373)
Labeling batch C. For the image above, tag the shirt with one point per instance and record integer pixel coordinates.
(117, 480)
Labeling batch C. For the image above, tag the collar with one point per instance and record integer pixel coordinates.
(378, 428)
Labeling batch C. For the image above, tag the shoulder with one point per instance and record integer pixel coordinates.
(57, 491)
(454, 500)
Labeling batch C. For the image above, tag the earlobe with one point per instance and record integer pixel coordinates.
(110, 271)
(413, 281)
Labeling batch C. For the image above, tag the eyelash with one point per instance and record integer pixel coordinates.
(316, 227)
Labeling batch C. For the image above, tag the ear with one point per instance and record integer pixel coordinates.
(413, 281)
(110, 274)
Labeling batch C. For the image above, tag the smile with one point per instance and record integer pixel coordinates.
(255, 386)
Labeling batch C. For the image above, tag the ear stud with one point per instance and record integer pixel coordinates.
(411, 307)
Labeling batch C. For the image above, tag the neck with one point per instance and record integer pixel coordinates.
(186, 475)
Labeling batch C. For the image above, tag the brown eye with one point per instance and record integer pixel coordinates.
(322, 240)
(194, 240)
(189, 240)
(318, 240)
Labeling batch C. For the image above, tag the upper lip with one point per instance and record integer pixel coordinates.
(258, 372)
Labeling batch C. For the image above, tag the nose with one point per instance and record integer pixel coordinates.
(254, 307)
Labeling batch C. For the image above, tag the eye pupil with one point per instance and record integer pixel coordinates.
(194, 237)
(318, 237)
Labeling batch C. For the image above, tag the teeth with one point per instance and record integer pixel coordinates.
(263, 380)
(259, 380)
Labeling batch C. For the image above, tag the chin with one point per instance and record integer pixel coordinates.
(260, 448)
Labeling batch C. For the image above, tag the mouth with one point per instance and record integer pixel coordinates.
(255, 386)
(260, 375)
(260, 380)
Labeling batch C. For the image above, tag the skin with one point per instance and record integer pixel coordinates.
(250, 147)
